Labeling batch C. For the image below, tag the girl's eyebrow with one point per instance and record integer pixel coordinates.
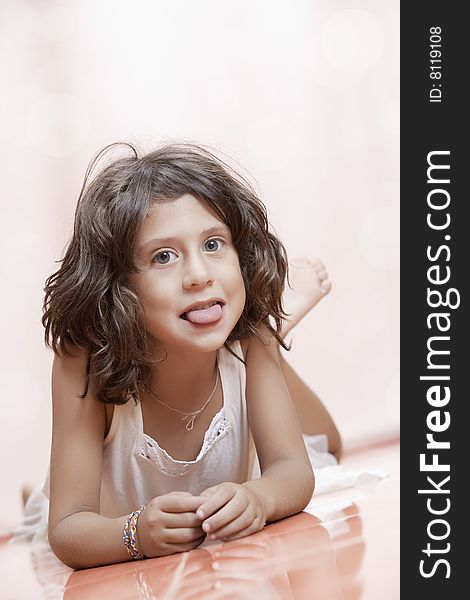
(218, 229)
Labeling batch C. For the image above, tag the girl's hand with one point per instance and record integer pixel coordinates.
(169, 524)
(231, 511)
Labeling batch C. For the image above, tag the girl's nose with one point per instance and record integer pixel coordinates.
(197, 273)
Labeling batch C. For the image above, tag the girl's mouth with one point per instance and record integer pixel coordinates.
(204, 313)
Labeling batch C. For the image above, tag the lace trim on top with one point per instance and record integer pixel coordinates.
(150, 449)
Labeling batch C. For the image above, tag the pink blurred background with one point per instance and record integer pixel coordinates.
(303, 94)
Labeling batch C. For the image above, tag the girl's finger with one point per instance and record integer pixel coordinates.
(208, 491)
(183, 535)
(179, 504)
(178, 520)
(212, 504)
(234, 509)
(231, 528)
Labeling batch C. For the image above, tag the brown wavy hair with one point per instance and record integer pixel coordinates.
(88, 302)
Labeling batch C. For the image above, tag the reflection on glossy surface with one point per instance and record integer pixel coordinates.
(294, 558)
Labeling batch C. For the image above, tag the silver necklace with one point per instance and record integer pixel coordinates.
(189, 416)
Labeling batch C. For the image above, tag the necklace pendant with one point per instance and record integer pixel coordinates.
(190, 423)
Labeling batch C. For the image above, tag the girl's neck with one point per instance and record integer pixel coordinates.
(182, 379)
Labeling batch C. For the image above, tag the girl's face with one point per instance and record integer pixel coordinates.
(190, 284)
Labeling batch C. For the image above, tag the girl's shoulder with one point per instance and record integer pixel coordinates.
(72, 381)
(72, 363)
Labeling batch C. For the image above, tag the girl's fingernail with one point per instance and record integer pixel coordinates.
(206, 526)
(200, 514)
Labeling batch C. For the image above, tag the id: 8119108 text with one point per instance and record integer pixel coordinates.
(435, 63)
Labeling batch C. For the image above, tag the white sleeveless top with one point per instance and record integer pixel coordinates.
(136, 468)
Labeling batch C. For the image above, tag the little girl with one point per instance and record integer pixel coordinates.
(166, 320)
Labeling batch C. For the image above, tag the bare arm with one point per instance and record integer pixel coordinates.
(78, 534)
(287, 482)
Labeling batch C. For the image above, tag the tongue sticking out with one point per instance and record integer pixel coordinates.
(205, 315)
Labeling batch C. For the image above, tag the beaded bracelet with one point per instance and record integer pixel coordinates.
(130, 533)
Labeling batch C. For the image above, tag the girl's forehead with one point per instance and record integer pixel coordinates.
(184, 216)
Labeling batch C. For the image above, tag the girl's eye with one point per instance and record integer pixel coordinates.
(213, 245)
(164, 257)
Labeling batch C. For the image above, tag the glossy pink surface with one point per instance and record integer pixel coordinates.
(351, 552)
